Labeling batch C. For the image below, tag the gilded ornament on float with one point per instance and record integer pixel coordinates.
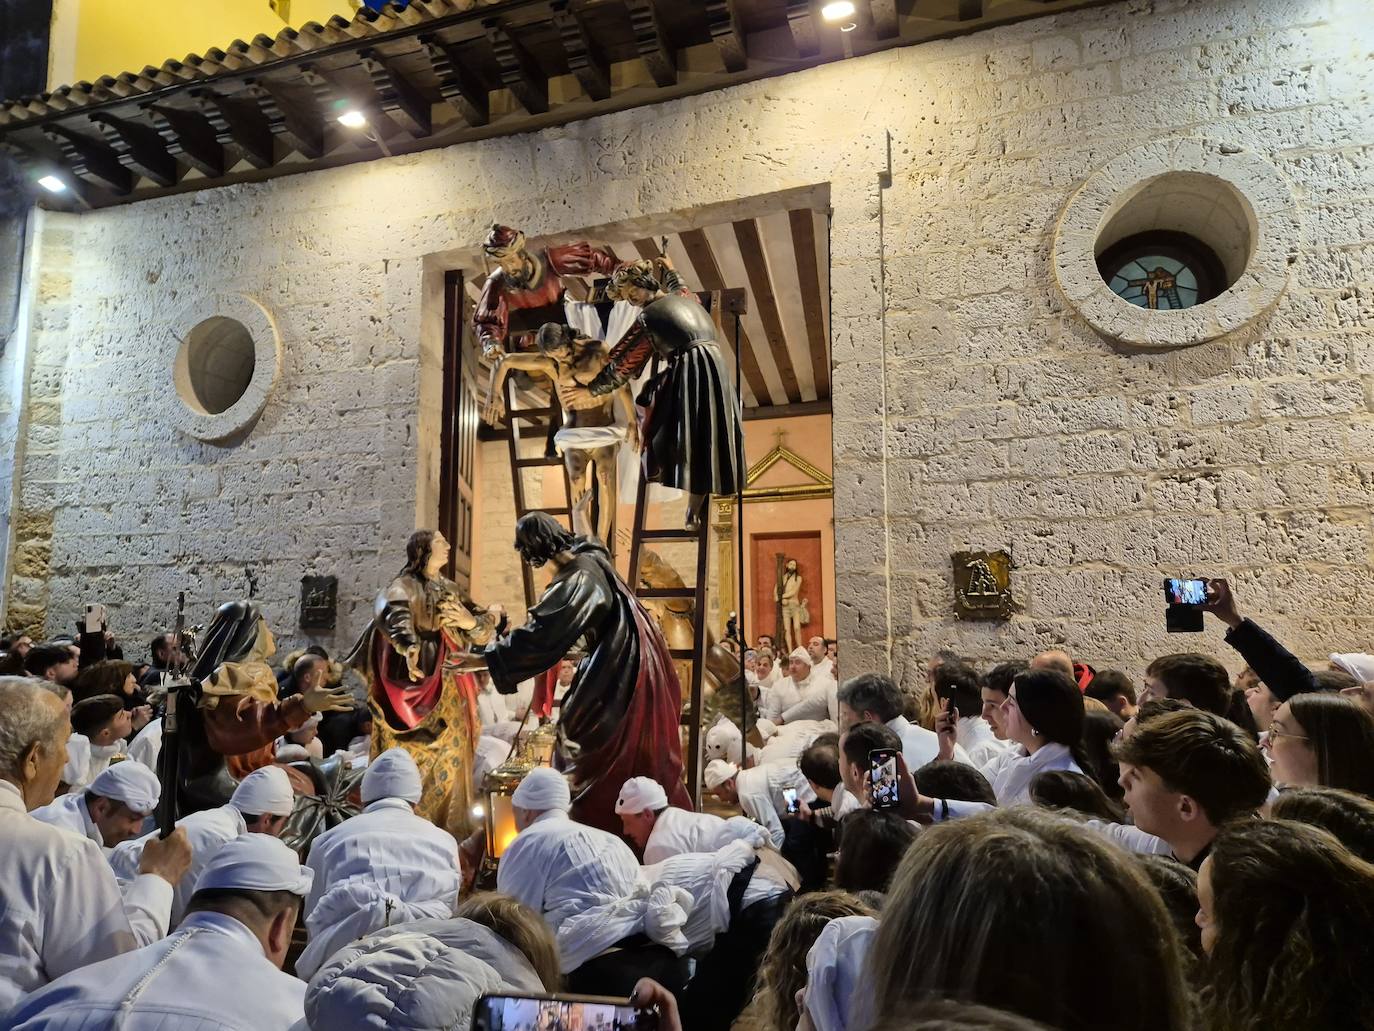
(982, 585)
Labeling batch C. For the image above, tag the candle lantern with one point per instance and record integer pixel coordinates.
(539, 746)
(500, 785)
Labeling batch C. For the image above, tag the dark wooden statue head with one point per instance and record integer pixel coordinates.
(417, 552)
(539, 537)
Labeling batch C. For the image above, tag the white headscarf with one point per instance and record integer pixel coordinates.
(264, 792)
(1357, 664)
(256, 862)
(639, 794)
(393, 774)
(717, 772)
(543, 789)
(131, 783)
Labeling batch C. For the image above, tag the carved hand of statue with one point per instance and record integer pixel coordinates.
(327, 699)
(455, 617)
(494, 411)
(413, 663)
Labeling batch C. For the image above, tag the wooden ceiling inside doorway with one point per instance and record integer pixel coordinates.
(431, 74)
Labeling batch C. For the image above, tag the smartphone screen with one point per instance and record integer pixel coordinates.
(882, 772)
(789, 796)
(530, 1012)
(1186, 592)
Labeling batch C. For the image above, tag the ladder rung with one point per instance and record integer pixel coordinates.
(525, 463)
(547, 511)
(683, 653)
(669, 535)
(530, 413)
(665, 593)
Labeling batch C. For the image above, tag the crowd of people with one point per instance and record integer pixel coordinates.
(1062, 847)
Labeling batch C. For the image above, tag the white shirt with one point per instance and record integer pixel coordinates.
(777, 698)
(384, 866)
(78, 761)
(819, 699)
(825, 668)
(69, 812)
(586, 883)
(1010, 776)
(975, 736)
(206, 831)
(492, 706)
(920, 746)
(210, 975)
(147, 744)
(60, 905)
(1132, 839)
(708, 876)
(761, 795)
(677, 831)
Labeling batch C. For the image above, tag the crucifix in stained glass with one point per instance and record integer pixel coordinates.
(1155, 281)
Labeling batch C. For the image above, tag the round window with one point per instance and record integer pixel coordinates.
(215, 365)
(1162, 270)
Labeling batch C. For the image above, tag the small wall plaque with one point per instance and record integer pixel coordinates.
(319, 602)
(982, 585)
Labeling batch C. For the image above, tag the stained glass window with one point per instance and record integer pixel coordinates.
(1162, 271)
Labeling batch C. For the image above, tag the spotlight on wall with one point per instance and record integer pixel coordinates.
(52, 184)
(353, 119)
(839, 10)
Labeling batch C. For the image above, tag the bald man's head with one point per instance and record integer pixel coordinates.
(1056, 659)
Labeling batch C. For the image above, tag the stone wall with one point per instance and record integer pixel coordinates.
(972, 409)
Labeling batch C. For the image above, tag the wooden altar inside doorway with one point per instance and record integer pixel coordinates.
(765, 550)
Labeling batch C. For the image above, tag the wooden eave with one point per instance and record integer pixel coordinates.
(431, 74)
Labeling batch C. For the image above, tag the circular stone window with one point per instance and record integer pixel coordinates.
(224, 357)
(215, 365)
(1177, 242)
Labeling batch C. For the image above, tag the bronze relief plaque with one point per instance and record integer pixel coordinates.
(982, 585)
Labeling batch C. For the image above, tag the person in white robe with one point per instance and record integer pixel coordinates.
(260, 804)
(821, 662)
(586, 882)
(762, 792)
(112, 810)
(60, 905)
(659, 830)
(815, 691)
(384, 866)
(219, 971)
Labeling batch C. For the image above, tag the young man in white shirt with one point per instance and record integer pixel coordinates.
(875, 698)
(959, 685)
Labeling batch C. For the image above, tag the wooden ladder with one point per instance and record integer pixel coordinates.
(641, 536)
(539, 419)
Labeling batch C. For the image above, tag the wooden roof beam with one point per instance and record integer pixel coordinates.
(302, 134)
(584, 58)
(761, 286)
(397, 95)
(652, 42)
(190, 136)
(802, 222)
(240, 122)
(138, 147)
(801, 20)
(457, 85)
(520, 72)
(90, 159)
(722, 17)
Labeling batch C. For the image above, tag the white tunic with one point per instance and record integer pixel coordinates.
(492, 706)
(761, 795)
(777, 698)
(384, 866)
(1010, 776)
(586, 883)
(708, 875)
(819, 699)
(60, 906)
(78, 761)
(147, 744)
(920, 746)
(69, 812)
(210, 975)
(677, 831)
(206, 831)
(978, 740)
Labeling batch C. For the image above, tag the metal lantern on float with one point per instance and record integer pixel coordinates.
(499, 786)
(539, 746)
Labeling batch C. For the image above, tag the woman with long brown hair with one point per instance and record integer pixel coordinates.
(1287, 916)
(1028, 911)
(1322, 739)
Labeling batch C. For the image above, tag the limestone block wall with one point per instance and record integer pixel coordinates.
(972, 407)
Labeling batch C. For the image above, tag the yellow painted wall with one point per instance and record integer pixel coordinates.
(92, 38)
